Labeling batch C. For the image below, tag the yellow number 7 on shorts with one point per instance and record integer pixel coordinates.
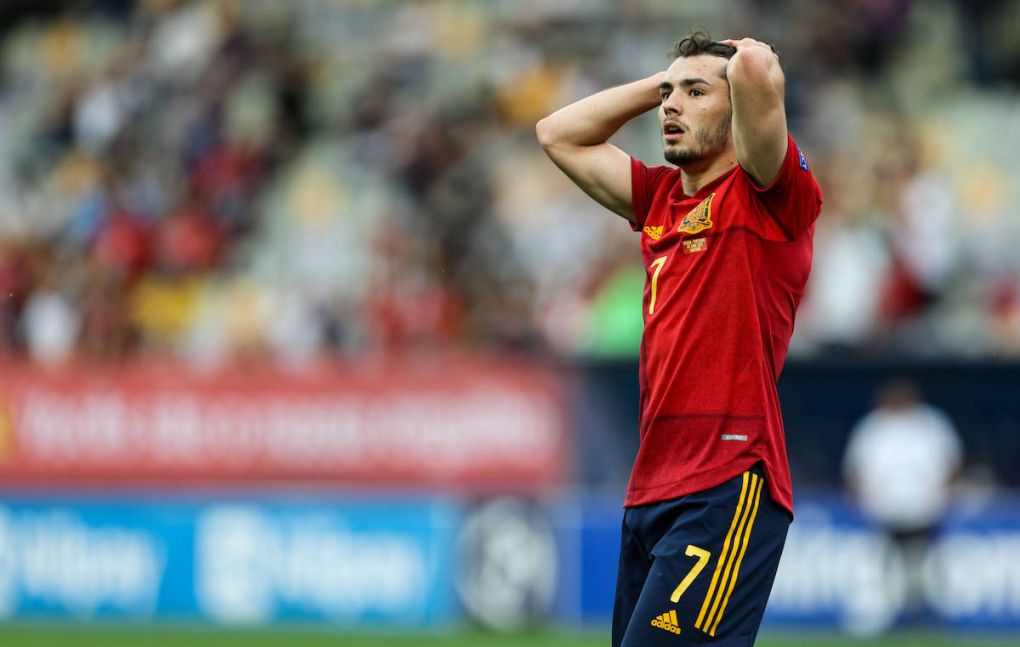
(703, 557)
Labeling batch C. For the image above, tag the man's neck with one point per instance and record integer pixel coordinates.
(695, 177)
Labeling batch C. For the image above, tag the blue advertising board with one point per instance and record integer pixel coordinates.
(588, 532)
(394, 562)
(972, 572)
(837, 571)
(361, 562)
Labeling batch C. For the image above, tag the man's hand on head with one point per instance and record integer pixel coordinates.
(759, 115)
(745, 43)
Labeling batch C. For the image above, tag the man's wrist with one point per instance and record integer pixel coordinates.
(651, 88)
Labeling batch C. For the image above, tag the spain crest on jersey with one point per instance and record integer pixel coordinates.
(699, 218)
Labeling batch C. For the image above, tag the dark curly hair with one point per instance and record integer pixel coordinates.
(699, 42)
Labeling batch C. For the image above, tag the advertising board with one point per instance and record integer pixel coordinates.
(378, 562)
(485, 424)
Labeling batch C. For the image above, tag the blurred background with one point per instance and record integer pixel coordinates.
(300, 328)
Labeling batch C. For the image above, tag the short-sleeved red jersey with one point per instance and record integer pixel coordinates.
(726, 270)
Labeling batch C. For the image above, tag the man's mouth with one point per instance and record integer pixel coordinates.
(672, 131)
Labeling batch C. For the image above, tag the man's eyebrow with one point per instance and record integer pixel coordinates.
(686, 83)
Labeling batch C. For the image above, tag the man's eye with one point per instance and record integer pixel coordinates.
(696, 93)
(664, 95)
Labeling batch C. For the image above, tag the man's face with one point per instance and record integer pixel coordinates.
(695, 113)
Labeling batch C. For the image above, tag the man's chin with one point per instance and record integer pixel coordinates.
(680, 156)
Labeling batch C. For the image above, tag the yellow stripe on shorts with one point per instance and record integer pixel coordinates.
(728, 567)
(699, 623)
(740, 557)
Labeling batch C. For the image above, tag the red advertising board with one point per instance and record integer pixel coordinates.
(459, 422)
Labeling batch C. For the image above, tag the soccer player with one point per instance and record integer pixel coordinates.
(726, 239)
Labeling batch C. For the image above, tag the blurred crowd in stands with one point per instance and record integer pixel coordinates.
(232, 179)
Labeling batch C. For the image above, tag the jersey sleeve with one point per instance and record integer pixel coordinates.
(793, 201)
(643, 183)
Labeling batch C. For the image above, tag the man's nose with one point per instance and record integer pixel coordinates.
(672, 104)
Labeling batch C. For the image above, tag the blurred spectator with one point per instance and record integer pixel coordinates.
(122, 246)
(900, 463)
(15, 290)
(188, 239)
(52, 319)
(212, 166)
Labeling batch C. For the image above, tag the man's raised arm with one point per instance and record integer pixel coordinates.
(757, 84)
(575, 138)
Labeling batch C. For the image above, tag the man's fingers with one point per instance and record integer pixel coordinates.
(744, 43)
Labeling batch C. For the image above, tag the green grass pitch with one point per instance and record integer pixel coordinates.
(91, 636)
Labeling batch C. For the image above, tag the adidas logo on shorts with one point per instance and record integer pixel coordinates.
(667, 621)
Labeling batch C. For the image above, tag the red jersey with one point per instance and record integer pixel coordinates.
(726, 270)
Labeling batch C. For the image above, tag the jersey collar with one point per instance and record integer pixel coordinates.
(677, 195)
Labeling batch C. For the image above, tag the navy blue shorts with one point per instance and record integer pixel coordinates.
(699, 569)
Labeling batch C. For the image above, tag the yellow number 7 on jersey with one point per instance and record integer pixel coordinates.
(703, 557)
(657, 264)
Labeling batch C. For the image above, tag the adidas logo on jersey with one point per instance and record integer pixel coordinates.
(667, 621)
(655, 233)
